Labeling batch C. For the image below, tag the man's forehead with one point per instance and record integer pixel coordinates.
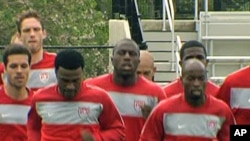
(31, 23)
(194, 49)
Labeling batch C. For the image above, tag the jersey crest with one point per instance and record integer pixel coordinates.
(44, 77)
(212, 124)
(138, 104)
(83, 112)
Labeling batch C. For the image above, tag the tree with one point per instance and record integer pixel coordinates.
(68, 23)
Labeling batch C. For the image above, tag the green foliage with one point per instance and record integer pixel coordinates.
(68, 23)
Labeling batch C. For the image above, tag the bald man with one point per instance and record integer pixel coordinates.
(191, 115)
(146, 66)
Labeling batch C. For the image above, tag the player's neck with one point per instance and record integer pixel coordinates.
(125, 80)
(37, 57)
(197, 102)
(16, 93)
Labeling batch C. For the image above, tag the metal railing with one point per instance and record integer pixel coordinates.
(169, 9)
(178, 47)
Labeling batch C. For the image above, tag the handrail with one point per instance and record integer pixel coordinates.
(178, 45)
(143, 44)
(169, 8)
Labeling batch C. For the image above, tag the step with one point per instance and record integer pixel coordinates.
(227, 29)
(223, 69)
(162, 56)
(165, 76)
(167, 36)
(159, 46)
(233, 48)
(163, 66)
(157, 25)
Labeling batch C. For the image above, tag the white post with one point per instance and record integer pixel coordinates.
(172, 31)
(196, 10)
(163, 16)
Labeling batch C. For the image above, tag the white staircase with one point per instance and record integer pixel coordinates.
(160, 45)
(227, 37)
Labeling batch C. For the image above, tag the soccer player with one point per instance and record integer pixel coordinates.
(15, 97)
(146, 66)
(191, 49)
(134, 95)
(72, 110)
(31, 32)
(192, 115)
(235, 91)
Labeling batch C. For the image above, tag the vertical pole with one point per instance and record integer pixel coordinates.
(163, 15)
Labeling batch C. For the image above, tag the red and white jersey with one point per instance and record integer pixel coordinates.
(13, 117)
(130, 99)
(54, 118)
(235, 91)
(176, 87)
(42, 74)
(175, 119)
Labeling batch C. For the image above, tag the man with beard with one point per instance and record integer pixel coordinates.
(31, 33)
(192, 115)
(134, 95)
(15, 97)
(72, 110)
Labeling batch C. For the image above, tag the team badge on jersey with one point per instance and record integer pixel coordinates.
(44, 77)
(138, 104)
(83, 112)
(212, 124)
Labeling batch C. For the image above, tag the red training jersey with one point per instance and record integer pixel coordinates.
(235, 91)
(13, 117)
(175, 119)
(129, 100)
(55, 118)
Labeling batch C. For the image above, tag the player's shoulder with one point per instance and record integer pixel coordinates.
(49, 54)
(212, 84)
(2, 67)
(148, 83)
(94, 90)
(241, 73)
(98, 79)
(217, 102)
(90, 87)
(172, 84)
(45, 91)
(169, 104)
(171, 101)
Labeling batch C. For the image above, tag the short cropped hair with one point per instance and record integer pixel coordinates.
(15, 49)
(190, 44)
(126, 41)
(28, 14)
(69, 59)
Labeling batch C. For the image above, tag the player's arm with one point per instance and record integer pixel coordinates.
(153, 128)
(111, 123)
(146, 109)
(224, 133)
(224, 92)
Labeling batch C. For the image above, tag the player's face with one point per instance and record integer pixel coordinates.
(194, 52)
(146, 70)
(32, 34)
(126, 59)
(17, 70)
(69, 81)
(194, 82)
